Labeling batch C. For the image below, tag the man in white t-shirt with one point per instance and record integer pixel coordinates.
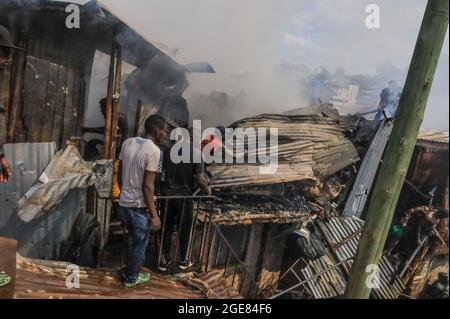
(141, 161)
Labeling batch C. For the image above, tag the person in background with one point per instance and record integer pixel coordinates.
(422, 220)
(92, 152)
(389, 99)
(179, 179)
(416, 224)
(6, 47)
(140, 162)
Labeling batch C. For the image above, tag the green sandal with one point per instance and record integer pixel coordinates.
(143, 278)
(5, 279)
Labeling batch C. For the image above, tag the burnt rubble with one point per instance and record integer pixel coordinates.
(318, 159)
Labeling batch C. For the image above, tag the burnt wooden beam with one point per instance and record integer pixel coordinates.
(109, 106)
(116, 100)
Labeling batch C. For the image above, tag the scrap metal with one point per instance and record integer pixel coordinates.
(341, 232)
(39, 279)
(363, 184)
(67, 170)
(309, 147)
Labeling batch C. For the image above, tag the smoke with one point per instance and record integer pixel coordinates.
(247, 42)
(240, 39)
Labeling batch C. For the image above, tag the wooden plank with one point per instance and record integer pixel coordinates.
(20, 60)
(50, 104)
(35, 91)
(58, 116)
(27, 99)
(109, 108)
(81, 103)
(8, 250)
(68, 106)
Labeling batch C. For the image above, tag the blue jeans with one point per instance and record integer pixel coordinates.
(136, 221)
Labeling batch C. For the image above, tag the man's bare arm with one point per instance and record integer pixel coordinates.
(148, 189)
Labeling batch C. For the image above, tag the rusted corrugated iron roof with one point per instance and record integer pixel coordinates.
(434, 136)
(309, 146)
(37, 279)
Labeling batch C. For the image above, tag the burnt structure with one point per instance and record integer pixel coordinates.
(48, 84)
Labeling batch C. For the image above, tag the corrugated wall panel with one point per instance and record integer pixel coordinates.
(361, 188)
(40, 238)
(339, 231)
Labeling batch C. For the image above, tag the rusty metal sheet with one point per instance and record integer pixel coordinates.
(434, 136)
(310, 146)
(38, 279)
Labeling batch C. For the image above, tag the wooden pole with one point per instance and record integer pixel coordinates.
(389, 182)
(16, 96)
(109, 107)
(116, 101)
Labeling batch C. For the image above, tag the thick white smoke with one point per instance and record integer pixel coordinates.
(245, 40)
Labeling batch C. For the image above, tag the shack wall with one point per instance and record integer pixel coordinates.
(45, 89)
(41, 238)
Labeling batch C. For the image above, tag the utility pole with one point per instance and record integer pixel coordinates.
(398, 154)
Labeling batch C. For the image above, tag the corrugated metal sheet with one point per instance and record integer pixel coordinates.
(329, 285)
(41, 238)
(309, 146)
(338, 230)
(363, 184)
(37, 279)
(434, 136)
(344, 234)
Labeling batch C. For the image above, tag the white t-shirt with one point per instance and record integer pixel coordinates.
(137, 155)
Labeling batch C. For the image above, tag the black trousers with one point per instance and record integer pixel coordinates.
(178, 217)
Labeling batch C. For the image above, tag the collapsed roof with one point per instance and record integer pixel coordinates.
(309, 147)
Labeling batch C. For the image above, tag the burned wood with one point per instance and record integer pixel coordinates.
(116, 96)
(16, 101)
(109, 106)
